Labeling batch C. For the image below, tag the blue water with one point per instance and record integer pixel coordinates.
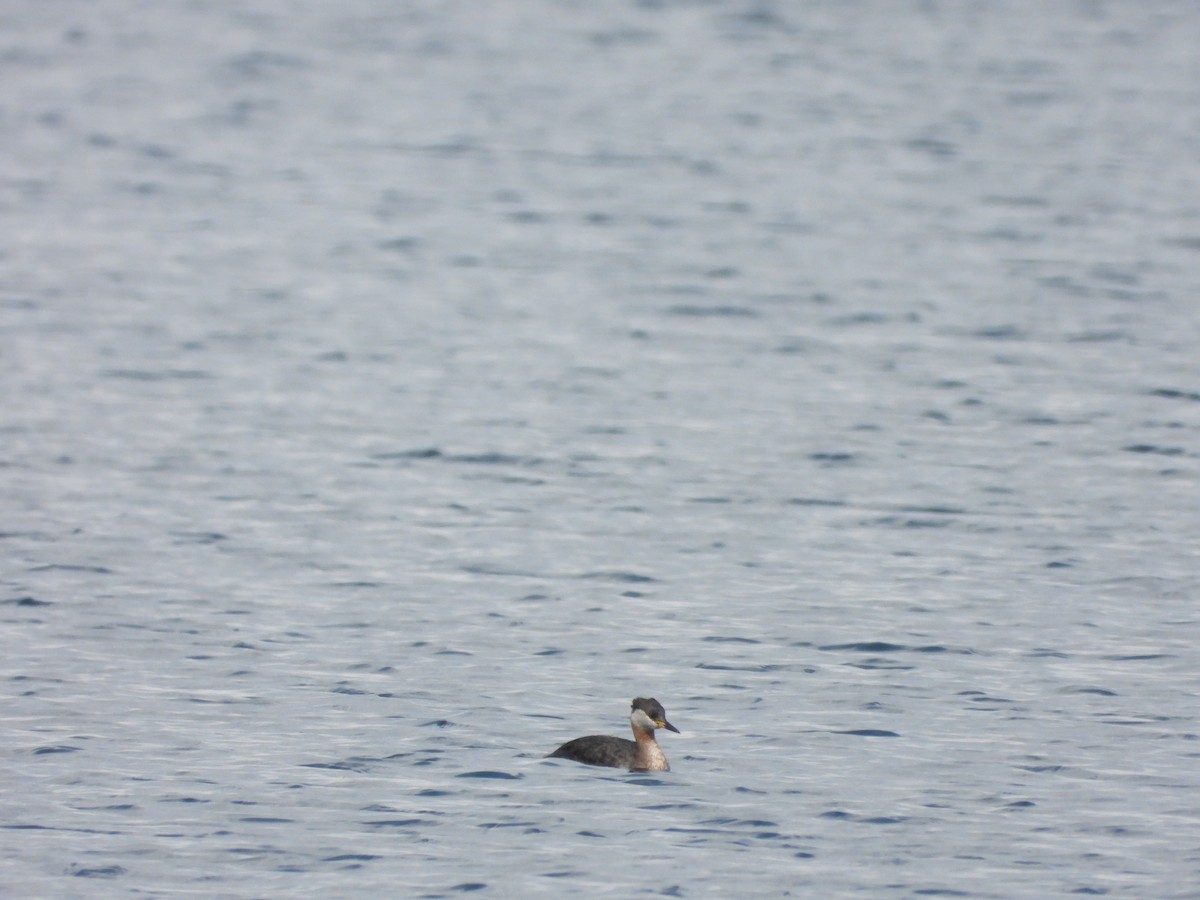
(394, 390)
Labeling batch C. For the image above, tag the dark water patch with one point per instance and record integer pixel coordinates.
(1069, 286)
(67, 567)
(617, 576)
(718, 311)
(95, 871)
(866, 647)
(1084, 689)
(1108, 719)
(260, 852)
(55, 748)
(938, 648)
(747, 823)
(467, 887)
(565, 873)
(24, 827)
(1020, 804)
(354, 764)
(1172, 394)
(832, 458)
(905, 522)
(491, 774)
(486, 458)
(1115, 275)
(624, 36)
(398, 823)
(186, 799)
(886, 820)
(934, 510)
(1046, 652)
(437, 723)
(1097, 337)
(682, 829)
(404, 244)
(493, 458)
(528, 217)
(871, 664)
(519, 479)
(859, 318)
(836, 814)
(161, 375)
(1154, 449)
(713, 500)
(1139, 657)
(867, 732)
(488, 569)
(986, 698)
(421, 453)
(1045, 770)
(1001, 333)
(813, 501)
(451, 149)
(720, 639)
(350, 857)
(198, 537)
(721, 272)
(717, 667)
(265, 820)
(932, 147)
(24, 601)
(426, 756)
(939, 892)
(257, 65)
(1011, 235)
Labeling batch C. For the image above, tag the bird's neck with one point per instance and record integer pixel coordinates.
(649, 756)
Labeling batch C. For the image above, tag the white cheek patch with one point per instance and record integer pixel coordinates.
(642, 721)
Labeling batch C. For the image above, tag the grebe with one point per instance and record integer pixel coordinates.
(642, 754)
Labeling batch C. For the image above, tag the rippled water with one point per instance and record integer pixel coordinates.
(394, 390)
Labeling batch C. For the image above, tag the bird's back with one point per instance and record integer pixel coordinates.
(599, 750)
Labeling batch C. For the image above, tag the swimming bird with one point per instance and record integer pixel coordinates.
(642, 754)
